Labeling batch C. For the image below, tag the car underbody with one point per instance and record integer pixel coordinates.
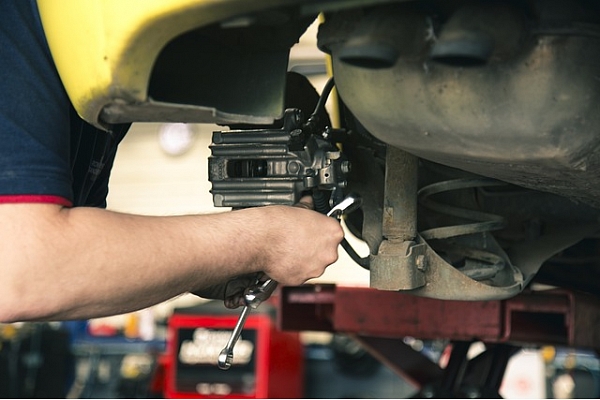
(472, 132)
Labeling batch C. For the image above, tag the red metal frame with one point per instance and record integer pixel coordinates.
(545, 317)
(379, 320)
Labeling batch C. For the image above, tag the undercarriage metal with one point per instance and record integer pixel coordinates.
(400, 262)
(499, 99)
(527, 114)
(471, 243)
(404, 259)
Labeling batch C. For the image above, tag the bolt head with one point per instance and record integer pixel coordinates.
(345, 167)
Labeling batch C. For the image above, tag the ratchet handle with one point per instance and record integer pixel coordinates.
(350, 203)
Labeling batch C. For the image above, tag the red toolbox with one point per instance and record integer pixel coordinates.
(267, 363)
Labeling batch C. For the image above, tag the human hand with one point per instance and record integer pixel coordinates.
(288, 251)
(232, 292)
(302, 243)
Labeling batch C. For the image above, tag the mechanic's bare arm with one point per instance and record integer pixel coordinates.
(61, 263)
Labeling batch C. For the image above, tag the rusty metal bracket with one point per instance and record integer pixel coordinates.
(399, 266)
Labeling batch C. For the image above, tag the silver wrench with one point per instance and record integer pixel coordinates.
(350, 203)
(226, 355)
(262, 290)
(252, 299)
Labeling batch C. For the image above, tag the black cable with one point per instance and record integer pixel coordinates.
(320, 107)
(362, 261)
(313, 121)
(319, 198)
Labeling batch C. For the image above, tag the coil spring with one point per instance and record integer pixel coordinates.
(488, 263)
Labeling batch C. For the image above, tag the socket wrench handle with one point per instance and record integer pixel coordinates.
(350, 203)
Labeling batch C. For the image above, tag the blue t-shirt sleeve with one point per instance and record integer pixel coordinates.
(34, 109)
(47, 152)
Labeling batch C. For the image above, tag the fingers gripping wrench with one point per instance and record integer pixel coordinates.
(262, 290)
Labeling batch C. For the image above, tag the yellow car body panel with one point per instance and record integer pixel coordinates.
(104, 50)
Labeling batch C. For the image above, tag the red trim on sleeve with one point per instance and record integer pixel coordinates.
(35, 198)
